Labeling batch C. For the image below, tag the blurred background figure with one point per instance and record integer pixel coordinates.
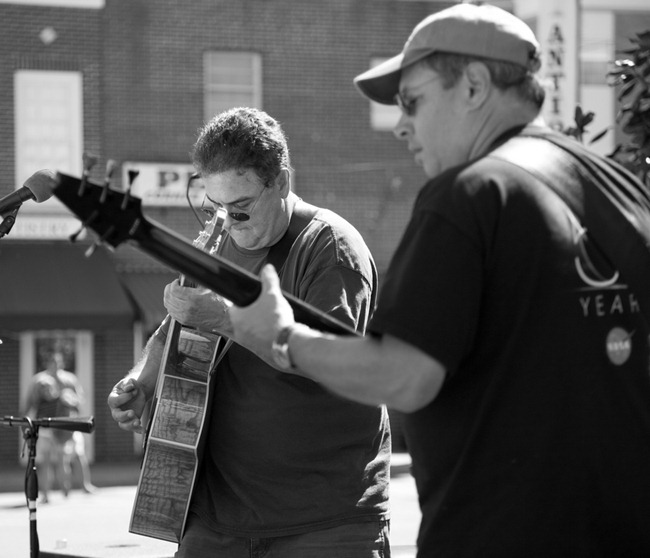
(74, 456)
(55, 392)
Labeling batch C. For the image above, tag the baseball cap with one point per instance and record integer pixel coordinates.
(485, 31)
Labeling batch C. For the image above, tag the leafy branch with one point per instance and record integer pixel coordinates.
(631, 76)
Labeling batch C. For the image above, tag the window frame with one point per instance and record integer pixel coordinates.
(251, 94)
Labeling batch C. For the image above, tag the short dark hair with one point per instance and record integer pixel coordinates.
(505, 75)
(241, 139)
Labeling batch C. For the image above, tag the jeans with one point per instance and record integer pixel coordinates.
(355, 540)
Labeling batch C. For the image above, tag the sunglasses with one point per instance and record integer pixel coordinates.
(408, 104)
(210, 207)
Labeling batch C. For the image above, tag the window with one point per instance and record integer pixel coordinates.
(48, 125)
(231, 79)
(382, 117)
(596, 50)
(596, 46)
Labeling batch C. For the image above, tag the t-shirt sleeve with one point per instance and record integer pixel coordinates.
(335, 273)
(342, 293)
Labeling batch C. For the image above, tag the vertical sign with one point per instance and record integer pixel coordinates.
(558, 34)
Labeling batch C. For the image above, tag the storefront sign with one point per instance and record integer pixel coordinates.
(162, 184)
(558, 33)
(44, 227)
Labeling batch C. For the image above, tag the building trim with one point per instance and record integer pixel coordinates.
(88, 4)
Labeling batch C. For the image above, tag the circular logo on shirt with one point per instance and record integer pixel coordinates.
(618, 346)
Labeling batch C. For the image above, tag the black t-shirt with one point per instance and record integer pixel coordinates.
(538, 444)
(284, 455)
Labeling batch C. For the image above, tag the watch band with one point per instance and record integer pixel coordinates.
(280, 348)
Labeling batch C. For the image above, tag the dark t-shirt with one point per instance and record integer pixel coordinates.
(538, 443)
(284, 455)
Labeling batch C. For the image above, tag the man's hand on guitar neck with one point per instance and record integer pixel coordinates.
(198, 307)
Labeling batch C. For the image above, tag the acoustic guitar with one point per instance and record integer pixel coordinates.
(174, 434)
(173, 443)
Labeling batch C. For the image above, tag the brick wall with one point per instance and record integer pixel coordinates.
(9, 397)
(77, 48)
(311, 51)
(113, 358)
(142, 71)
(142, 87)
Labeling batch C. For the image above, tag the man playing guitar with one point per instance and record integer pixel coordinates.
(287, 465)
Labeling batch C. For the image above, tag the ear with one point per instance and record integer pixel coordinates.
(283, 182)
(478, 84)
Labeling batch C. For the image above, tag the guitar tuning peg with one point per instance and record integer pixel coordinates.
(101, 240)
(133, 174)
(109, 231)
(89, 161)
(91, 249)
(73, 237)
(93, 216)
(110, 167)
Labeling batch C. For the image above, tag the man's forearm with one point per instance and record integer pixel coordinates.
(367, 370)
(147, 368)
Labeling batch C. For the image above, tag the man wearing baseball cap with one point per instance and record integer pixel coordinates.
(512, 324)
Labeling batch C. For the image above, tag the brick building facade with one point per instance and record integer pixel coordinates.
(142, 72)
(139, 71)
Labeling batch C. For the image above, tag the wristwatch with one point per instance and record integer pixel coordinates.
(280, 348)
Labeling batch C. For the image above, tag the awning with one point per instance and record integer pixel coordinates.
(146, 290)
(53, 285)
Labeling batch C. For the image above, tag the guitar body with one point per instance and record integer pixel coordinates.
(173, 448)
(173, 440)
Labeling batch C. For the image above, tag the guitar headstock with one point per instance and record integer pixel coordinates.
(112, 214)
(208, 239)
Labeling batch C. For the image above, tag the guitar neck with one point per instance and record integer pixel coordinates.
(223, 277)
(116, 217)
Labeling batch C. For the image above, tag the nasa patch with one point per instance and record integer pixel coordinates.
(618, 346)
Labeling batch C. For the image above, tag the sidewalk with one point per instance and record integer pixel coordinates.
(128, 473)
(102, 474)
(96, 525)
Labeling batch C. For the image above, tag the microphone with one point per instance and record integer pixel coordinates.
(82, 424)
(38, 187)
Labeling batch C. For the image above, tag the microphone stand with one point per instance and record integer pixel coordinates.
(8, 221)
(30, 433)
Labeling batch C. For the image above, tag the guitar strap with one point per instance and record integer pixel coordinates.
(302, 214)
(608, 200)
